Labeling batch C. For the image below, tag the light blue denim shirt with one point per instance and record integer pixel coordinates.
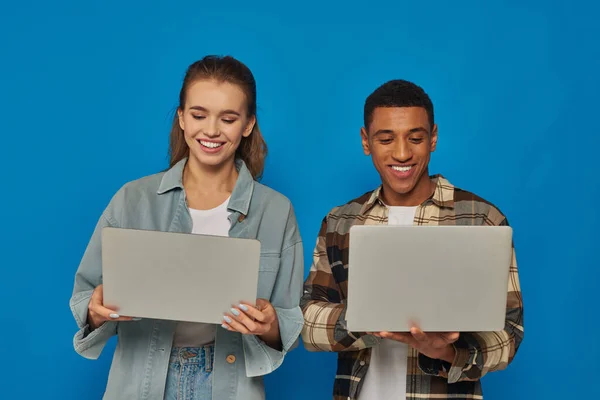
(140, 363)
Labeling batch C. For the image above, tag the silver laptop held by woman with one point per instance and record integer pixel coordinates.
(177, 276)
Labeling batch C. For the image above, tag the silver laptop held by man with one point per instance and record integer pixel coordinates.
(438, 278)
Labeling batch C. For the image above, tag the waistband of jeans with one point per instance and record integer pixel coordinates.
(193, 355)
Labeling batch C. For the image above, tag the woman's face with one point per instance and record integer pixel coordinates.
(214, 120)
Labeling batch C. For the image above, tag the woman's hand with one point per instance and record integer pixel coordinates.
(98, 314)
(260, 320)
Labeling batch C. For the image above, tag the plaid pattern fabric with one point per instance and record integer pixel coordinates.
(325, 291)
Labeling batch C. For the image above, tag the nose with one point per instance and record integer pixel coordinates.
(211, 128)
(402, 151)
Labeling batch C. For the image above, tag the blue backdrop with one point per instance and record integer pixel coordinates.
(86, 95)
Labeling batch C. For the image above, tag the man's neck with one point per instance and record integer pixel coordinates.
(421, 192)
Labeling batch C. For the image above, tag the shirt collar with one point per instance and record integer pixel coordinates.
(443, 195)
(242, 191)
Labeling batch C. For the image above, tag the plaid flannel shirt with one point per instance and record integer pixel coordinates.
(324, 302)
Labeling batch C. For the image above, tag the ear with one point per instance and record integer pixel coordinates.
(434, 137)
(249, 126)
(180, 115)
(365, 141)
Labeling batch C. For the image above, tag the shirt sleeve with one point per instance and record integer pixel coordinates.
(324, 312)
(262, 359)
(482, 352)
(90, 343)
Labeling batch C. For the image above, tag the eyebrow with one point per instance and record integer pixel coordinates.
(418, 129)
(200, 108)
(383, 132)
(389, 131)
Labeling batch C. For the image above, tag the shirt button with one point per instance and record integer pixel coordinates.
(362, 363)
(230, 359)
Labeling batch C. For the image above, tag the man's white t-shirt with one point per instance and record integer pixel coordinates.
(205, 222)
(386, 376)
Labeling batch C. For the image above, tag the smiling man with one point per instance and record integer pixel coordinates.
(399, 134)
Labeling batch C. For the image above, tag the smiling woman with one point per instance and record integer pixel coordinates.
(217, 104)
(217, 153)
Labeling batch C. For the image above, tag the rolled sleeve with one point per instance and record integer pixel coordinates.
(86, 342)
(260, 358)
(90, 344)
(478, 353)
(290, 326)
(325, 327)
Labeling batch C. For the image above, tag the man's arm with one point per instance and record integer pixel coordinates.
(324, 308)
(482, 352)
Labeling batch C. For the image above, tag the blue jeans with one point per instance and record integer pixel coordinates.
(190, 373)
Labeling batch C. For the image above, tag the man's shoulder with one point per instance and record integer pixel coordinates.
(341, 218)
(466, 202)
(352, 208)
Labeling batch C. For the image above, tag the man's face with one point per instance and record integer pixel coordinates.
(400, 141)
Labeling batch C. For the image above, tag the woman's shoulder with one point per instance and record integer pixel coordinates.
(146, 185)
(278, 218)
(141, 191)
(270, 197)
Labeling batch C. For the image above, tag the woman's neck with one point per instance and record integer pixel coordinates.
(207, 186)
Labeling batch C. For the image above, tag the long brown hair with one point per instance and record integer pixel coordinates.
(252, 149)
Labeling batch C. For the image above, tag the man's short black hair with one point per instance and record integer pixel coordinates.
(397, 93)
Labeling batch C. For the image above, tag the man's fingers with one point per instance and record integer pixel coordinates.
(419, 335)
(450, 337)
(399, 337)
(434, 339)
(391, 335)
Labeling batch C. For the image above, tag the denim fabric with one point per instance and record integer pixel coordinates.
(190, 373)
(141, 360)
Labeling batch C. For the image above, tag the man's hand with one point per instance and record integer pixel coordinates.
(437, 345)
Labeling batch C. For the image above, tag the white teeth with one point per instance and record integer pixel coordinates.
(211, 145)
(401, 169)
